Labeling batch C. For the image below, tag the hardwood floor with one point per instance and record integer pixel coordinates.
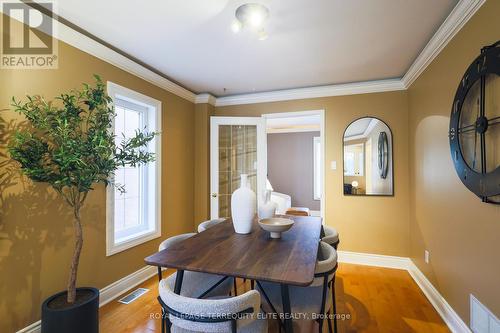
(372, 299)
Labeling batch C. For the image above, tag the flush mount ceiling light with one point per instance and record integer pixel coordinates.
(251, 16)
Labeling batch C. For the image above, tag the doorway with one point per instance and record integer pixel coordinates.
(239, 145)
(295, 160)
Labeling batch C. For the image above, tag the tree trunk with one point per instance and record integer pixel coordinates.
(76, 254)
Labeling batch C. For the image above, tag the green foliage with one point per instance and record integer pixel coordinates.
(69, 143)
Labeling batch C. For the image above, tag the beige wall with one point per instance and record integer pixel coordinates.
(35, 226)
(461, 233)
(366, 224)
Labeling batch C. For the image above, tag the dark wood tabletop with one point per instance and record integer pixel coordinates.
(219, 250)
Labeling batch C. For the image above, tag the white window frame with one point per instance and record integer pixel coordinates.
(153, 123)
(317, 179)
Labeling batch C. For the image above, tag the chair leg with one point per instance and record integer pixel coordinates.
(329, 320)
(235, 288)
(320, 324)
(162, 321)
(334, 306)
(252, 284)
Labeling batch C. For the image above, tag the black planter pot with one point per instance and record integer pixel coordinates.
(79, 318)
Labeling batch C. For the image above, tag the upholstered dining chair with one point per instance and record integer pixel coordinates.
(230, 314)
(210, 223)
(196, 284)
(313, 300)
(331, 236)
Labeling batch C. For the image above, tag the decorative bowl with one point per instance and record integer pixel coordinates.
(276, 225)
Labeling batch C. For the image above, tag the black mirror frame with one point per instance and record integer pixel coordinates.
(392, 161)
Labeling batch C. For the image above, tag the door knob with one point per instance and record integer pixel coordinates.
(214, 195)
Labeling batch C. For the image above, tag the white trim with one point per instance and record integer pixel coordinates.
(214, 156)
(205, 98)
(317, 140)
(110, 292)
(92, 47)
(115, 90)
(292, 130)
(378, 260)
(450, 317)
(313, 92)
(458, 17)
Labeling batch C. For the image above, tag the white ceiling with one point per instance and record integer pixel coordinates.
(309, 44)
(359, 127)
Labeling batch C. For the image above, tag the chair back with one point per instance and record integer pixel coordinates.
(208, 315)
(174, 240)
(210, 223)
(327, 262)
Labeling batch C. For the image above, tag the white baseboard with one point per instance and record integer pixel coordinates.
(110, 292)
(378, 260)
(450, 317)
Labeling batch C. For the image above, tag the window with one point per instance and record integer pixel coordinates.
(134, 217)
(317, 168)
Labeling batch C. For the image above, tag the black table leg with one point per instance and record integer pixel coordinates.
(287, 309)
(178, 281)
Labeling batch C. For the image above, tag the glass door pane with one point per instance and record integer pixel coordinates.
(237, 155)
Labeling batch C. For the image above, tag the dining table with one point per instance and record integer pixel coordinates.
(287, 261)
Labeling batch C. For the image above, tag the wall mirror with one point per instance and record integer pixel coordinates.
(368, 160)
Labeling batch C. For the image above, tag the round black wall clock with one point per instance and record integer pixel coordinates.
(383, 155)
(475, 126)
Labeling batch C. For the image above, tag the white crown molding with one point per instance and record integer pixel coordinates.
(205, 98)
(109, 293)
(313, 92)
(460, 15)
(86, 44)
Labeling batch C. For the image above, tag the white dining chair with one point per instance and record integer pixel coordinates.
(230, 314)
(210, 223)
(313, 300)
(331, 236)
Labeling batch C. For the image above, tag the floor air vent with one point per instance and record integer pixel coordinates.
(133, 296)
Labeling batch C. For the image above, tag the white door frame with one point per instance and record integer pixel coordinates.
(321, 114)
(214, 156)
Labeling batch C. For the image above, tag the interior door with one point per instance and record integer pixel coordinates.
(238, 146)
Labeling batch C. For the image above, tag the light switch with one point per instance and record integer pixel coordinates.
(333, 165)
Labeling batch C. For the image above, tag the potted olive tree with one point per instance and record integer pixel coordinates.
(69, 144)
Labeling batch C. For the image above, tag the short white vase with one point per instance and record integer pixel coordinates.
(268, 208)
(243, 202)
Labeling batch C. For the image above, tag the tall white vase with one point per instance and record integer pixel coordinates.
(243, 202)
(268, 208)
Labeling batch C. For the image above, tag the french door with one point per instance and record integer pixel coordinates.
(238, 146)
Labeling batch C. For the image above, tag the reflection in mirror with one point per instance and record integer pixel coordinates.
(368, 158)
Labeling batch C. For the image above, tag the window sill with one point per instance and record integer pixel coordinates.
(132, 242)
